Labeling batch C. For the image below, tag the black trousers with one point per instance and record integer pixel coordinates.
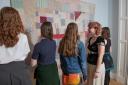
(107, 78)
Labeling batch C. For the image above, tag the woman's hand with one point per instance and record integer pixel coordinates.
(85, 82)
(97, 74)
(33, 62)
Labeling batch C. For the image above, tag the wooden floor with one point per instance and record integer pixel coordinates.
(114, 82)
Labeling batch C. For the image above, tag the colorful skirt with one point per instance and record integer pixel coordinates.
(71, 79)
(47, 75)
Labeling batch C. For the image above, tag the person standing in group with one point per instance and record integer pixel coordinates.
(14, 49)
(107, 57)
(96, 47)
(72, 56)
(46, 72)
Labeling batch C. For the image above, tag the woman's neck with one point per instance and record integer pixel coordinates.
(42, 38)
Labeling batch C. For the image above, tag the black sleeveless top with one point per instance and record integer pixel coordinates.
(108, 45)
(93, 48)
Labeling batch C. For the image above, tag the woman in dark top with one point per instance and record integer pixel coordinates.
(96, 47)
(43, 55)
(107, 57)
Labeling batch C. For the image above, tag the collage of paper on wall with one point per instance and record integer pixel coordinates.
(59, 12)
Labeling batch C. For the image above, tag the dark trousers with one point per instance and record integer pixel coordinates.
(107, 78)
(14, 73)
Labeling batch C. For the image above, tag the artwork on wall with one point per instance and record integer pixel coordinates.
(59, 12)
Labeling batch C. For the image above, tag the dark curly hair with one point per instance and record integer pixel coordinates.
(106, 32)
(10, 26)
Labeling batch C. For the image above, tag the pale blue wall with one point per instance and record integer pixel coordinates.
(101, 11)
(4, 3)
(113, 24)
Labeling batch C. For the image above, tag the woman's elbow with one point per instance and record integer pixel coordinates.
(33, 62)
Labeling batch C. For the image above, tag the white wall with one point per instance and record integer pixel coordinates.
(107, 14)
(113, 24)
(101, 12)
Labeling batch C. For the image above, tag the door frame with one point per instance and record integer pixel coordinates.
(120, 76)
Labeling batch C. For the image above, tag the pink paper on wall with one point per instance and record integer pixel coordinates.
(43, 19)
(58, 36)
(77, 14)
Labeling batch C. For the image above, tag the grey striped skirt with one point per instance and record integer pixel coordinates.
(14, 73)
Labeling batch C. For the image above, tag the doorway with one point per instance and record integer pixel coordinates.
(122, 69)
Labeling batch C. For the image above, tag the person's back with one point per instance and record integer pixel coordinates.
(46, 49)
(46, 72)
(14, 49)
(15, 53)
(71, 64)
(72, 56)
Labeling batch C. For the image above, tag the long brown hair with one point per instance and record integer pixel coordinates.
(10, 26)
(67, 45)
(106, 32)
(96, 25)
(47, 30)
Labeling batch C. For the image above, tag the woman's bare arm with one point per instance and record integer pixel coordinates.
(33, 62)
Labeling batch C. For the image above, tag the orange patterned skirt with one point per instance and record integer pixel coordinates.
(71, 79)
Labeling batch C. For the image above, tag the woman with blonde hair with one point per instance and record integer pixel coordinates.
(72, 56)
(96, 47)
(14, 49)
